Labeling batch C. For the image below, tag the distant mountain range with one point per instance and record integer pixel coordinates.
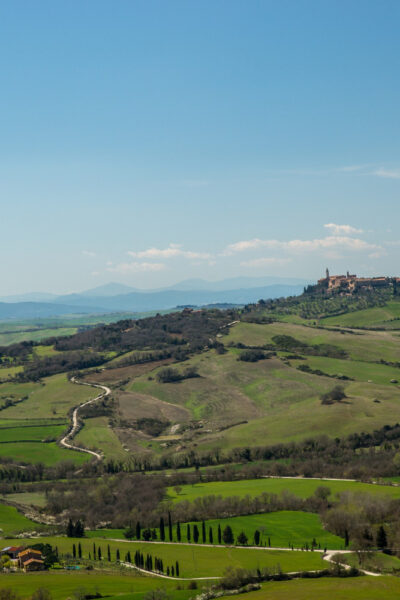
(116, 297)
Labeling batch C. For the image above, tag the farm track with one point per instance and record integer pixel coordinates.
(65, 441)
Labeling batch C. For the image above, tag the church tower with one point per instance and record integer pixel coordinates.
(327, 273)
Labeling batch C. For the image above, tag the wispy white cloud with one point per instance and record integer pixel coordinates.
(136, 267)
(387, 173)
(173, 251)
(332, 241)
(342, 229)
(89, 253)
(264, 262)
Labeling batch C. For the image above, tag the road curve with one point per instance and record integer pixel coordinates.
(75, 424)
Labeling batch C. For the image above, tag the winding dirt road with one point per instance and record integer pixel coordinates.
(75, 423)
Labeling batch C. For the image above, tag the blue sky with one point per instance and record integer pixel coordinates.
(152, 141)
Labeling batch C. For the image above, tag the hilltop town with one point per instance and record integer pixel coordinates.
(349, 284)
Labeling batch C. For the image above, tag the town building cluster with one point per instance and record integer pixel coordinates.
(349, 284)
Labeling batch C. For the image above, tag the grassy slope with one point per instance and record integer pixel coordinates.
(12, 522)
(283, 528)
(36, 452)
(359, 588)
(53, 398)
(254, 487)
(371, 317)
(374, 561)
(49, 400)
(197, 561)
(124, 584)
(97, 435)
(278, 401)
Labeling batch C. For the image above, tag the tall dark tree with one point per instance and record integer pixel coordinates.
(195, 533)
(188, 536)
(99, 553)
(170, 527)
(178, 531)
(162, 529)
(177, 568)
(227, 535)
(381, 538)
(118, 555)
(210, 535)
(138, 530)
(73, 550)
(70, 529)
(203, 532)
(79, 550)
(108, 553)
(94, 551)
(257, 537)
(219, 534)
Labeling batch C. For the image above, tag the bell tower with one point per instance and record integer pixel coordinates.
(327, 273)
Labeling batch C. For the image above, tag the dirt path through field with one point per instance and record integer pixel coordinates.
(75, 424)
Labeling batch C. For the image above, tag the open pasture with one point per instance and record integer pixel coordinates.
(299, 487)
(387, 316)
(120, 583)
(54, 397)
(30, 434)
(13, 522)
(335, 588)
(365, 345)
(97, 435)
(38, 452)
(281, 529)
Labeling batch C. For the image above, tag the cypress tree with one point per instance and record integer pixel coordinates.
(219, 534)
(228, 535)
(170, 527)
(178, 532)
(203, 532)
(99, 553)
(79, 550)
(94, 551)
(138, 530)
(118, 555)
(73, 551)
(108, 553)
(381, 538)
(210, 535)
(162, 529)
(70, 529)
(188, 537)
(168, 571)
(256, 537)
(195, 533)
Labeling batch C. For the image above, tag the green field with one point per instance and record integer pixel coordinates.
(37, 452)
(12, 522)
(358, 588)
(124, 584)
(374, 561)
(283, 529)
(52, 398)
(97, 435)
(31, 434)
(196, 561)
(387, 316)
(27, 498)
(254, 487)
